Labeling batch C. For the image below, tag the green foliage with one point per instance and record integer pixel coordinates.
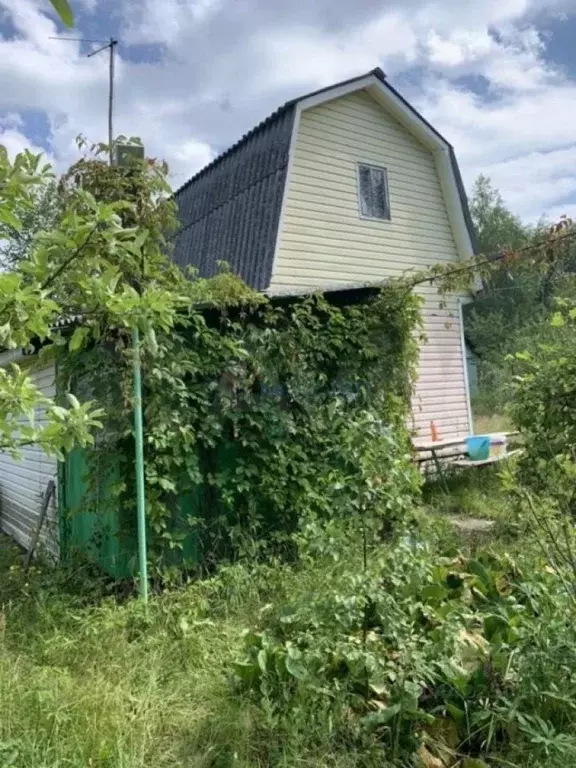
(496, 227)
(456, 654)
(422, 657)
(95, 256)
(266, 414)
(545, 388)
(64, 269)
(30, 216)
(542, 407)
(543, 481)
(19, 427)
(511, 311)
(249, 404)
(64, 11)
(86, 681)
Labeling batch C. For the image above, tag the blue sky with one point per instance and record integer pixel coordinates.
(497, 77)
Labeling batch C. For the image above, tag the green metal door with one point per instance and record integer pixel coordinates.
(91, 528)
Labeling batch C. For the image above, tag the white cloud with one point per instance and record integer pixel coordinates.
(307, 58)
(226, 64)
(13, 138)
(150, 21)
(537, 176)
(523, 140)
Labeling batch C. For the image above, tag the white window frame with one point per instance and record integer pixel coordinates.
(363, 163)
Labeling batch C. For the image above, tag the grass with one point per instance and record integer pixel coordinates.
(473, 492)
(496, 422)
(118, 685)
(86, 680)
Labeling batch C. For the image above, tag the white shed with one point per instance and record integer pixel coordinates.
(23, 481)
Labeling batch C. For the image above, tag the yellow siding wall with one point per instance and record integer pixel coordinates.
(324, 239)
(441, 394)
(325, 242)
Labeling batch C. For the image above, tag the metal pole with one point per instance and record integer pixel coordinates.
(138, 428)
(138, 425)
(139, 460)
(112, 45)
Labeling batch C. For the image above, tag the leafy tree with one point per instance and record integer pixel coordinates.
(89, 264)
(496, 226)
(511, 310)
(38, 213)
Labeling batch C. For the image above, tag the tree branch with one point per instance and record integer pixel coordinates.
(490, 260)
(66, 264)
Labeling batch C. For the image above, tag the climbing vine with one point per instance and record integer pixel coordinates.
(261, 415)
(250, 409)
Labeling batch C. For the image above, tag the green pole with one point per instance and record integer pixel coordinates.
(139, 460)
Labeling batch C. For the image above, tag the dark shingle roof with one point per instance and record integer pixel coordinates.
(230, 210)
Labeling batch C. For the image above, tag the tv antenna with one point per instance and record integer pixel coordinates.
(109, 45)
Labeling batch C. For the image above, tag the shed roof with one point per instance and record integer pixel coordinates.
(230, 210)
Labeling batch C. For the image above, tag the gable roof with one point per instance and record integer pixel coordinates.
(230, 210)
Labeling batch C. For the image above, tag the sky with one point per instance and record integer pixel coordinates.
(496, 77)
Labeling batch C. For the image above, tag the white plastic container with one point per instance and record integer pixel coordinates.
(498, 446)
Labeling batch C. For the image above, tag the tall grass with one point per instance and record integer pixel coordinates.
(118, 685)
(89, 680)
(92, 682)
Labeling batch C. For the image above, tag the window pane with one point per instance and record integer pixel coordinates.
(365, 191)
(380, 202)
(373, 192)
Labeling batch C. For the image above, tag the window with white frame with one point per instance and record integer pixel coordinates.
(373, 195)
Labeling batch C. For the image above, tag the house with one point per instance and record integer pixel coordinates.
(343, 187)
(337, 190)
(83, 516)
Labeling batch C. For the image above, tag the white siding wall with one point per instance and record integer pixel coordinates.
(23, 482)
(324, 242)
(441, 389)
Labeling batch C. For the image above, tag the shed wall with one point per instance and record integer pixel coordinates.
(23, 482)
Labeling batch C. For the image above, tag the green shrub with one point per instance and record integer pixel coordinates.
(458, 654)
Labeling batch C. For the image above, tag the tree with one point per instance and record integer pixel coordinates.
(496, 226)
(510, 294)
(95, 262)
(36, 214)
(512, 310)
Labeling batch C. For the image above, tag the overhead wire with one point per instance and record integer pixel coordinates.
(505, 254)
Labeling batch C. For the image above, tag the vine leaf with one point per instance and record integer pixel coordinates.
(78, 338)
(62, 8)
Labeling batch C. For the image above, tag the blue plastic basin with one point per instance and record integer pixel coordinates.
(478, 447)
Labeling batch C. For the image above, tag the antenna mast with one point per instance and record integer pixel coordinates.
(111, 46)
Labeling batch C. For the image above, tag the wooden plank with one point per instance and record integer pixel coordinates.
(50, 489)
(463, 463)
(433, 445)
